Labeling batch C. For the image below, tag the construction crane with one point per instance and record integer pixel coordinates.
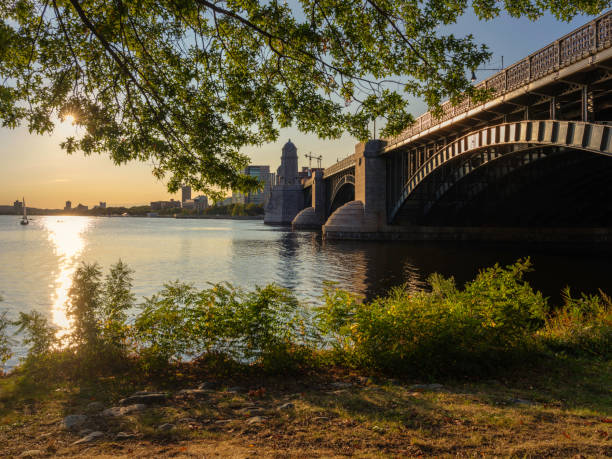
(310, 157)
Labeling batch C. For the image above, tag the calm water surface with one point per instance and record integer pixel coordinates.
(37, 261)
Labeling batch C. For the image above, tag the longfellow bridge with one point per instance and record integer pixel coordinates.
(533, 160)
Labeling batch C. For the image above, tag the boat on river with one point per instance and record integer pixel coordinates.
(24, 219)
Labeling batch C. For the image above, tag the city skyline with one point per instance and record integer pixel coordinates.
(37, 168)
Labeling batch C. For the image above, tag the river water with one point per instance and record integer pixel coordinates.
(37, 261)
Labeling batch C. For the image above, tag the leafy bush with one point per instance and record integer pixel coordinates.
(83, 306)
(117, 300)
(5, 341)
(98, 311)
(583, 326)
(266, 325)
(38, 334)
(447, 329)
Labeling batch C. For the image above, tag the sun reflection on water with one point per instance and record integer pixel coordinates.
(66, 235)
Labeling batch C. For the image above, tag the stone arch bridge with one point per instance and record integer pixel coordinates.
(532, 160)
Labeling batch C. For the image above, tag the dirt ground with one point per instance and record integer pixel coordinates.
(556, 413)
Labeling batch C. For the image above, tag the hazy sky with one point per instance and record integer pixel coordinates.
(37, 168)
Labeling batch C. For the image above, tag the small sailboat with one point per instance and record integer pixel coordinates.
(24, 219)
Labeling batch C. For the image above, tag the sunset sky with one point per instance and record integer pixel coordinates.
(37, 168)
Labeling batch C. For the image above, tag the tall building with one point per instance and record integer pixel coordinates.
(18, 206)
(102, 205)
(261, 173)
(68, 205)
(185, 193)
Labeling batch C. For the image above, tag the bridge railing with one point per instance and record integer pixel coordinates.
(339, 166)
(582, 42)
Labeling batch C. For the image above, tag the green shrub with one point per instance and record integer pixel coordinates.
(444, 330)
(117, 300)
(98, 310)
(83, 306)
(266, 325)
(37, 333)
(5, 341)
(583, 326)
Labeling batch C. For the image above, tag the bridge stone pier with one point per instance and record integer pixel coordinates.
(532, 163)
(365, 217)
(314, 216)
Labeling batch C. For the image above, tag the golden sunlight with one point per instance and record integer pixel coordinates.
(66, 235)
(69, 118)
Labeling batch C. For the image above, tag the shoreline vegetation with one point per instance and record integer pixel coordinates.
(231, 211)
(489, 368)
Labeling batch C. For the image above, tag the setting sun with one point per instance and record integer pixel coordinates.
(69, 119)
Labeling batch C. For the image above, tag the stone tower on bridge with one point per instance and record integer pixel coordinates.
(287, 172)
(287, 195)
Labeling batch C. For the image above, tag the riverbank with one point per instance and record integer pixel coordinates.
(550, 410)
(485, 369)
(178, 217)
(220, 217)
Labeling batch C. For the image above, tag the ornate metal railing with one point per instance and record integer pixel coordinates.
(582, 42)
(345, 163)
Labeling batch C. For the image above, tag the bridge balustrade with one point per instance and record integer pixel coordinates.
(582, 42)
(345, 163)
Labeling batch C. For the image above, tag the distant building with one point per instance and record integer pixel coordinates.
(68, 205)
(102, 205)
(201, 203)
(159, 205)
(18, 206)
(82, 207)
(224, 202)
(185, 193)
(188, 204)
(262, 173)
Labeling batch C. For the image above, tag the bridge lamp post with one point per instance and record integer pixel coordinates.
(478, 70)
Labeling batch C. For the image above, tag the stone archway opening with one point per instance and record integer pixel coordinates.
(344, 194)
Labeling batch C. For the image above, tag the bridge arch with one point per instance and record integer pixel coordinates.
(343, 191)
(505, 138)
(531, 187)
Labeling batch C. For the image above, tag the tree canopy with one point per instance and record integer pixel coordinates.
(187, 84)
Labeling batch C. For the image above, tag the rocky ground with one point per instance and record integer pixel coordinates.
(328, 416)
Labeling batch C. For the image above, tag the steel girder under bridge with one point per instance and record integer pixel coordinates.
(529, 140)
